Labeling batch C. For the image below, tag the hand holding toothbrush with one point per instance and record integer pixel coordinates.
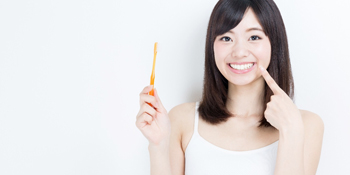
(152, 119)
(153, 122)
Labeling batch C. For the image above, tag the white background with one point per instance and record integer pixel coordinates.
(71, 72)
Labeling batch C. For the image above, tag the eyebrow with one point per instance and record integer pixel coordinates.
(248, 30)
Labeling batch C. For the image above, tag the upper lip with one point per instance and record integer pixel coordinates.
(239, 63)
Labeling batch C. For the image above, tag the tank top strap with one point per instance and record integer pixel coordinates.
(196, 119)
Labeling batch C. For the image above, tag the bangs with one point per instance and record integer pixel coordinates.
(229, 15)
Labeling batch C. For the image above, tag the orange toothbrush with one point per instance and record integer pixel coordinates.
(154, 65)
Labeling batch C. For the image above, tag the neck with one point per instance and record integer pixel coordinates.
(246, 100)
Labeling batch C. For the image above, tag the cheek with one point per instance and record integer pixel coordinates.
(219, 52)
(263, 53)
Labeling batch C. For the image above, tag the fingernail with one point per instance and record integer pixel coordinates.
(261, 68)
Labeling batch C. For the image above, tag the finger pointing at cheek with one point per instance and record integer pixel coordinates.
(270, 81)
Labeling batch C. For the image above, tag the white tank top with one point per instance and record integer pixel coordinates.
(204, 158)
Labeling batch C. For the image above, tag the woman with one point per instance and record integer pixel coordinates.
(246, 122)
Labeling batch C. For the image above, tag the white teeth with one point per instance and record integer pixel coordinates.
(241, 67)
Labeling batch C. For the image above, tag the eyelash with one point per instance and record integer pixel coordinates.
(249, 38)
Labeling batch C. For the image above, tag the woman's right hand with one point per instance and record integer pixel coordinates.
(153, 121)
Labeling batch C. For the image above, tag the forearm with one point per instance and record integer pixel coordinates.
(290, 154)
(160, 159)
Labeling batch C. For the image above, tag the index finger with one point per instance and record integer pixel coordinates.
(270, 81)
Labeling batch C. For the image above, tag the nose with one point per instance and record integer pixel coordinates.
(239, 50)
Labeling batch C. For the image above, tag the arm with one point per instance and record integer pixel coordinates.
(168, 158)
(301, 132)
(155, 125)
(314, 129)
(300, 147)
(160, 159)
(290, 152)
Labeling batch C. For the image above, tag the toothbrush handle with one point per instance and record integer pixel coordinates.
(151, 92)
(154, 65)
(152, 83)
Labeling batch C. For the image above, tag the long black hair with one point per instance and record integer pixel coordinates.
(226, 15)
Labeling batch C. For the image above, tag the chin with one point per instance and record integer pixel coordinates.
(241, 81)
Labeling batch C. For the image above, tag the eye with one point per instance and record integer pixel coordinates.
(254, 37)
(225, 38)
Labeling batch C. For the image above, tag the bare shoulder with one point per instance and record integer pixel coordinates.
(179, 117)
(183, 108)
(312, 120)
(313, 128)
(313, 138)
(181, 114)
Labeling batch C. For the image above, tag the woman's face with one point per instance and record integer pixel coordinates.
(239, 51)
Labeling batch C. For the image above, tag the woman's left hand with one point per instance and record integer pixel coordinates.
(280, 112)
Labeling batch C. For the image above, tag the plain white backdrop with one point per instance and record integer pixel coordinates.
(71, 72)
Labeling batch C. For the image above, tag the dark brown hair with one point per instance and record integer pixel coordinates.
(226, 15)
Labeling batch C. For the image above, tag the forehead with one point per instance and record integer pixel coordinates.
(249, 20)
